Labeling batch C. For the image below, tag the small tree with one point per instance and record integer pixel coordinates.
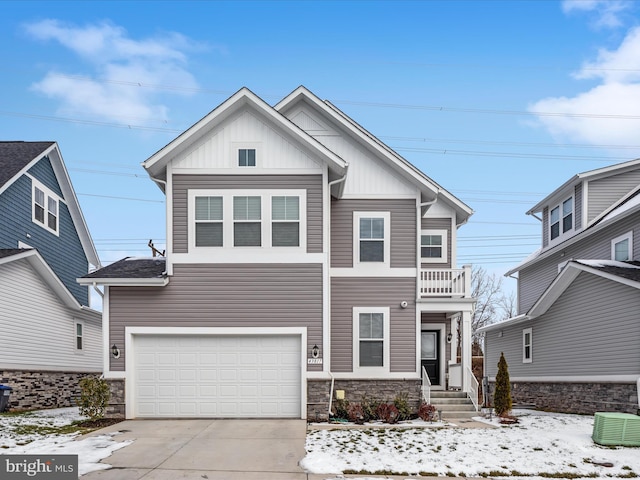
(502, 395)
(94, 397)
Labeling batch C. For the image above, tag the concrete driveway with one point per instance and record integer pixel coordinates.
(206, 449)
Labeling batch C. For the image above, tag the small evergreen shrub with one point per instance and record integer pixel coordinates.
(401, 402)
(369, 407)
(94, 397)
(341, 408)
(502, 396)
(427, 412)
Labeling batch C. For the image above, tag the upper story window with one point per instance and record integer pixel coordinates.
(209, 222)
(230, 218)
(45, 207)
(561, 218)
(371, 238)
(622, 247)
(247, 157)
(433, 246)
(371, 339)
(527, 345)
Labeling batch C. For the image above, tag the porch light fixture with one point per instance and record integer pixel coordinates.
(115, 351)
(449, 337)
(315, 351)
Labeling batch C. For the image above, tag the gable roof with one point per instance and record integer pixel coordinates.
(157, 163)
(625, 273)
(429, 188)
(18, 157)
(38, 263)
(588, 175)
(130, 271)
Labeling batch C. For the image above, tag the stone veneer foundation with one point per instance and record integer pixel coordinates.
(32, 390)
(583, 398)
(116, 406)
(318, 392)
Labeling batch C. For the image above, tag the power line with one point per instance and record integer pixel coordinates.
(121, 198)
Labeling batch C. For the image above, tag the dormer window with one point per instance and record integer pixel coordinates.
(45, 207)
(561, 218)
(247, 157)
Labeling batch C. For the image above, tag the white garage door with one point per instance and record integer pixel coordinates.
(217, 376)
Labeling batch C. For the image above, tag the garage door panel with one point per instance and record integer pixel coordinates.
(217, 376)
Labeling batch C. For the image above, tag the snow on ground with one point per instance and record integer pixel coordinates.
(540, 444)
(18, 438)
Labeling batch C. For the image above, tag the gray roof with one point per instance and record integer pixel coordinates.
(131, 267)
(10, 252)
(632, 272)
(14, 156)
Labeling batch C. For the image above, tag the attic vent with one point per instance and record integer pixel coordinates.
(611, 428)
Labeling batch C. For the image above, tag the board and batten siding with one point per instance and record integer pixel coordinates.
(533, 280)
(592, 329)
(349, 292)
(183, 183)
(577, 207)
(403, 230)
(38, 330)
(606, 191)
(229, 295)
(438, 224)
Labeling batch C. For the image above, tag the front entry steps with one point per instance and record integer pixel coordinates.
(454, 405)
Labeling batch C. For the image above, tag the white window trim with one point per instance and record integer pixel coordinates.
(236, 147)
(47, 194)
(562, 235)
(621, 238)
(75, 336)
(228, 221)
(445, 253)
(386, 356)
(526, 359)
(372, 266)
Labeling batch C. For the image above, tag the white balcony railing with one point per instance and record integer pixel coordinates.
(445, 282)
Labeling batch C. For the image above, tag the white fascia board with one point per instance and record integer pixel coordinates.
(51, 279)
(504, 323)
(125, 282)
(156, 164)
(428, 186)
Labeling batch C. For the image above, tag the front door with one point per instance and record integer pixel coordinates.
(429, 356)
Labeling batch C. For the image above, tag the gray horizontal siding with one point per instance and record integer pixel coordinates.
(439, 224)
(403, 230)
(223, 296)
(592, 329)
(535, 279)
(347, 293)
(604, 192)
(312, 183)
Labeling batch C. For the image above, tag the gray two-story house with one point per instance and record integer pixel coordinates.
(575, 344)
(50, 336)
(304, 258)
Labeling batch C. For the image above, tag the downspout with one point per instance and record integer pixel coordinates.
(331, 392)
(534, 216)
(338, 180)
(157, 180)
(95, 287)
(431, 202)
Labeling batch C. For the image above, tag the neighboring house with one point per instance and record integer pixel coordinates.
(575, 344)
(304, 257)
(50, 336)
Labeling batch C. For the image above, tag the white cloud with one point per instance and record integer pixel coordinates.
(608, 13)
(618, 94)
(115, 61)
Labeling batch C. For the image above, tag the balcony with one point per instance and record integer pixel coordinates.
(446, 282)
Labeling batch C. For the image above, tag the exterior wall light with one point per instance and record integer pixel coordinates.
(315, 351)
(115, 351)
(449, 337)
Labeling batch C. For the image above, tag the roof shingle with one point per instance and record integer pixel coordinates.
(14, 156)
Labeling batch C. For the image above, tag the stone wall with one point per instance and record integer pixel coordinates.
(116, 408)
(583, 398)
(33, 390)
(318, 392)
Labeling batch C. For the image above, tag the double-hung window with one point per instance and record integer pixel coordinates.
(371, 238)
(209, 222)
(622, 247)
(561, 218)
(371, 339)
(527, 345)
(79, 336)
(45, 207)
(433, 246)
(285, 221)
(247, 224)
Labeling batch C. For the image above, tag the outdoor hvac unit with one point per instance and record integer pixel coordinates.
(616, 429)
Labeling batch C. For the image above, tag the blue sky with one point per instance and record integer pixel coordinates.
(500, 102)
